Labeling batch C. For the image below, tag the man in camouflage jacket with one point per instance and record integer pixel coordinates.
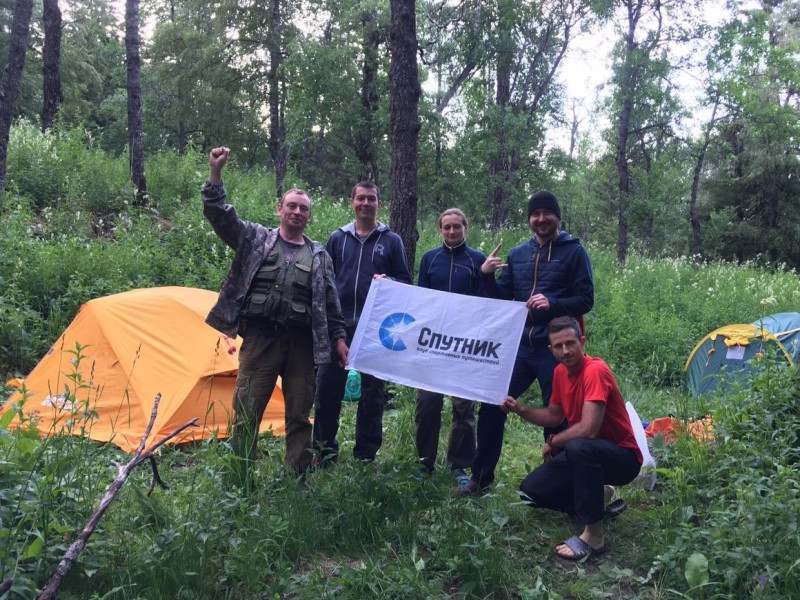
(299, 332)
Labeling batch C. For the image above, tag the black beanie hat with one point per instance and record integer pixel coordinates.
(544, 199)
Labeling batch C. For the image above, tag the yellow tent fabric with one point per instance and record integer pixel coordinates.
(738, 335)
(133, 346)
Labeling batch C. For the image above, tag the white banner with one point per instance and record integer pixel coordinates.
(449, 343)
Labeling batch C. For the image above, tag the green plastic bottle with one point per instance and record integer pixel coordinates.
(352, 388)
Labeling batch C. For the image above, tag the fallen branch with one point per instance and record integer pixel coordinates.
(62, 570)
(149, 455)
(156, 477)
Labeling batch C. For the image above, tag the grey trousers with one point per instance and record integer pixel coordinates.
(461, 445)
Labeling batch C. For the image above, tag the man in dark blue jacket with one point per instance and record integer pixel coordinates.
(452, 267)
(361, 251)
(552, 274)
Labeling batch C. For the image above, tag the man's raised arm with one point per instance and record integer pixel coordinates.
(216, 163)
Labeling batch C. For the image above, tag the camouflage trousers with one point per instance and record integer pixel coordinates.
(266, 354)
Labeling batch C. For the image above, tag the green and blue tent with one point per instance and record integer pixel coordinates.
(728, 353)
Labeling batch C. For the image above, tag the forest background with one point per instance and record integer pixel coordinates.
(689, 210)
(689, 148)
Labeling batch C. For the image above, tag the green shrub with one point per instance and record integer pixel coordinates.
(736, 500)
(100, 184)
(22, 333)
(721, 524)
(35, 168)
(174, 180)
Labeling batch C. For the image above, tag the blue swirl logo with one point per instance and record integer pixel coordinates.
(392, 329)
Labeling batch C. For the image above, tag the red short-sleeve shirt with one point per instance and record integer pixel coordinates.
(595, 383)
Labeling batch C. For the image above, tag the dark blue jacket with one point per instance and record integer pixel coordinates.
(355, 262)
(560, 270)
(456, 270)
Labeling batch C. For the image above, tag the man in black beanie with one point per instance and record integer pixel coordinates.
(546, 200)
(552, 275)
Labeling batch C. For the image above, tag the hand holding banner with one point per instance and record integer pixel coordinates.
(453, 344)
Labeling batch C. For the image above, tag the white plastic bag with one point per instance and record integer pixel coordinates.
(647, 476)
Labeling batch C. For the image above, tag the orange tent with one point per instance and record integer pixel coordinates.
(101, 376)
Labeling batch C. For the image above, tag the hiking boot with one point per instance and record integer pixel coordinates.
(471, 488)
(423, 473)
(462, 478)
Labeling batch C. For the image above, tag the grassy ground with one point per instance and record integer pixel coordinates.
(378, 531)
(720, 524)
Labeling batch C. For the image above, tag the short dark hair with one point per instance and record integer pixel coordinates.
(367, 185)
(297, 191)
(562, 323)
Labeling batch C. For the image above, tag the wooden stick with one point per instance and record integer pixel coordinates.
(158, 445)
(62, 570)
(156, 477)
(149, 455)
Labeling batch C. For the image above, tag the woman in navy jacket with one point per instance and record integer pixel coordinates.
(451, 267)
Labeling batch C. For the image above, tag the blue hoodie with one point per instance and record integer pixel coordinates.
(560, 270)
(355, 262)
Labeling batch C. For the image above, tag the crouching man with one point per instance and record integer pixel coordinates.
(598, 450)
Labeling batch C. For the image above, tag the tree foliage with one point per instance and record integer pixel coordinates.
(302, 88)
(754, 182)
(93, 74)
(643, 110)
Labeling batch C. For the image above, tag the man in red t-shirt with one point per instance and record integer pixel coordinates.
(597, 450)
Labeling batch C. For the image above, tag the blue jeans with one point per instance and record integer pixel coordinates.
(533, 363)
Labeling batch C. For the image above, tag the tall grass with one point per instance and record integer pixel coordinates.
(650, 313)
(378, 531)
(721, 524)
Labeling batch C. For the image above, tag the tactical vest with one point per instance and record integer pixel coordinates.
(281, 293)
